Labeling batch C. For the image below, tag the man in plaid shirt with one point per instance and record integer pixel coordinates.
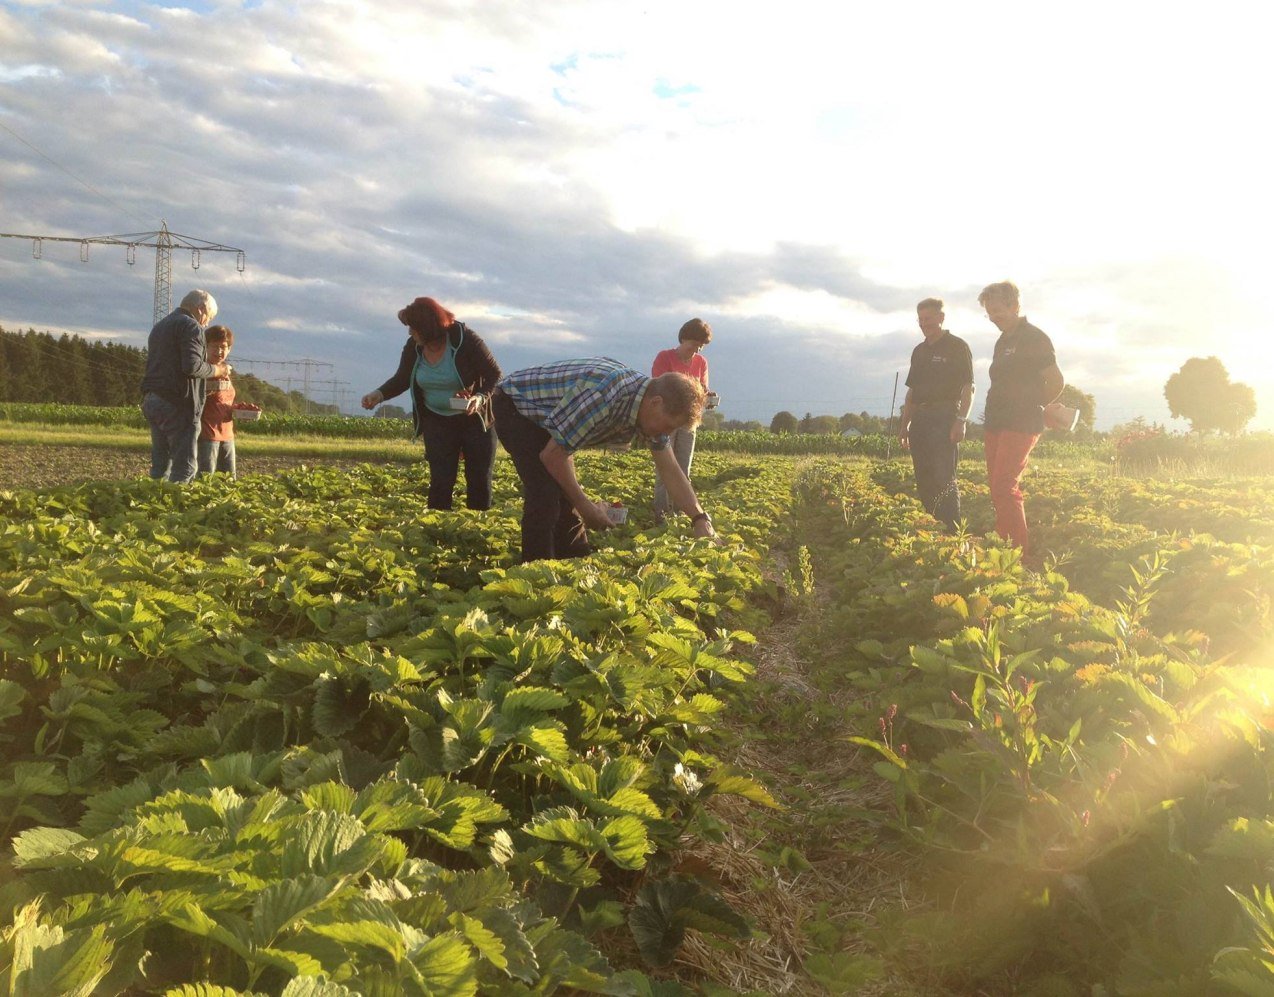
(544, 414)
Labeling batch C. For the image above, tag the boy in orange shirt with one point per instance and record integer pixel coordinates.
(216, 425)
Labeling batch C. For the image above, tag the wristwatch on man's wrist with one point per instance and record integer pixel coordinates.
(695, 519)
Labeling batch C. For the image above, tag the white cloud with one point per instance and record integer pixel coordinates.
(582, 176)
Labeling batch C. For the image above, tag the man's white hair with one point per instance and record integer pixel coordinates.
(200, 299)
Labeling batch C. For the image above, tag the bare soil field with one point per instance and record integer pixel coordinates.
(36, 466)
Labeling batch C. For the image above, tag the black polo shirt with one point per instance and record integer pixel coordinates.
(940, 371)
(1013, 400)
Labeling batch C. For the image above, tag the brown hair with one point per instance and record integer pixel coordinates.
(427, 317)
(219, 334)
(1004, 290)
(696, 329)
(929, 303)
(682, 395)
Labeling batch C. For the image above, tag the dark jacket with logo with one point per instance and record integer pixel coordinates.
(176, 367)
(474, 363)
(1017, 366)
(939, 373)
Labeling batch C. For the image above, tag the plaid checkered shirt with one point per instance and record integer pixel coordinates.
(582, 403)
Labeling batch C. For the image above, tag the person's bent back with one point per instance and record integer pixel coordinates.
(543, 415)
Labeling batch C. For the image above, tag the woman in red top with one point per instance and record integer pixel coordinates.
(685, 359)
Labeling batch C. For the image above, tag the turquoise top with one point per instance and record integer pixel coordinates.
(439, 382)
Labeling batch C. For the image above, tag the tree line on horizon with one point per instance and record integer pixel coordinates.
(866, 423)
(1200, 392)
(72, 370)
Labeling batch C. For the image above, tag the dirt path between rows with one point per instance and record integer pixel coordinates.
(39, 466)
(816, 879)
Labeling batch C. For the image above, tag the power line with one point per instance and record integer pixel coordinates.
(52, 343)
(84, 183)
(163, 242)
(306, 364)
(52, 347)
(338, 392)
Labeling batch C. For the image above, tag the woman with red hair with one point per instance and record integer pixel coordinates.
(443, 360)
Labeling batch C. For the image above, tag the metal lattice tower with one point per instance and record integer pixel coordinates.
(163, 242)
(306, 364)
(164, 272)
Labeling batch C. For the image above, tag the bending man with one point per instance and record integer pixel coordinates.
(543, 415)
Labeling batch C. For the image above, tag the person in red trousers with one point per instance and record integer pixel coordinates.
(1024, 378)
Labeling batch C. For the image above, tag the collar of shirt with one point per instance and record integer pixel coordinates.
(1008, 337)
(628, 425)
(634, 409)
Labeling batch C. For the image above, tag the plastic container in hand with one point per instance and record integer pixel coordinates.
(617, 513)
(711, 400)
(247, 414)
(1060, 417)
(460, 402)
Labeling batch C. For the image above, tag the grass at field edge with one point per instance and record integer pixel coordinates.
(24, 434)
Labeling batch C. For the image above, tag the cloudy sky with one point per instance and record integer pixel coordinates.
(579, 178)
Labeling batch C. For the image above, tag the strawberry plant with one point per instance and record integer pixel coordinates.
(1068, 765)
(301, 731)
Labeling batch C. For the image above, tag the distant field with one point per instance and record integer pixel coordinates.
(92, 420)
(41, 456)
(137, 438)
(279, 441)
(52, 465)
(270, 424)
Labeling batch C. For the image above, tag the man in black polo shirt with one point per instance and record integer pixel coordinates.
(936, 412)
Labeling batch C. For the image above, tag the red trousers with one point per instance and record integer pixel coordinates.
(1006, 453)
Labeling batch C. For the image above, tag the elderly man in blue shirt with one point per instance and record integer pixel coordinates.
(175, 385)
(543, 415)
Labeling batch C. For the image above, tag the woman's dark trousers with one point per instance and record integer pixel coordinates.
(446, 438)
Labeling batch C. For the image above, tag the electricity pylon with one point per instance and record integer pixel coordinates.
(305, 363)
(163, 242)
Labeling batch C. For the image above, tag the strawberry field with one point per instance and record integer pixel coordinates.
(1080, 755)
(299, 733)
(296, 734)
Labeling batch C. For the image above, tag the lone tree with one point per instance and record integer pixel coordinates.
(783, 422)
(1202, 392)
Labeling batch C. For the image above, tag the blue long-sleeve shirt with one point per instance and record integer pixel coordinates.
(176, 367)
